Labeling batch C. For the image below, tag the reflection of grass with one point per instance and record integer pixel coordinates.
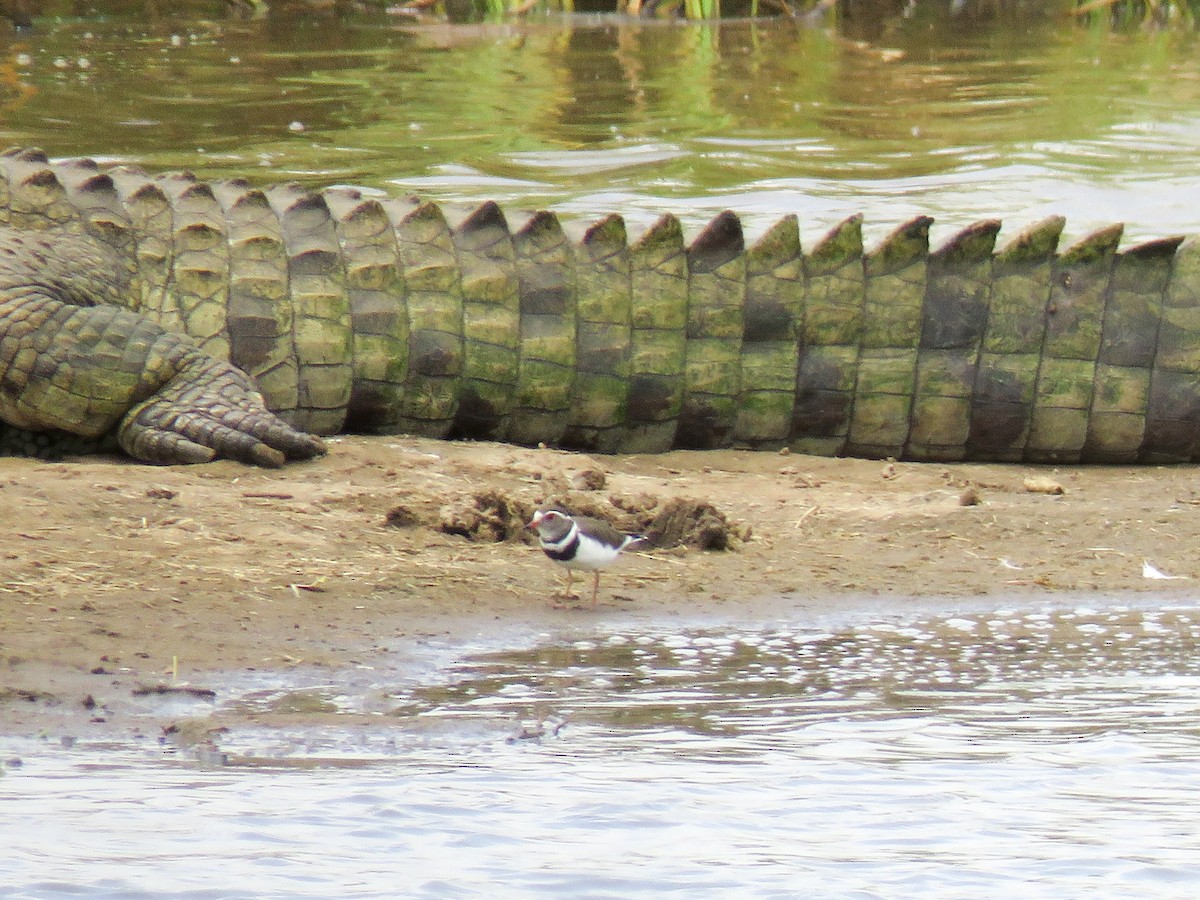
(1118, 13)
(702, 9)
(1135, 12)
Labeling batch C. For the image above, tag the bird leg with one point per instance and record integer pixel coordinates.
(595, 588)
(567, 594)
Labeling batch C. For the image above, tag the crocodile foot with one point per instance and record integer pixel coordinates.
(211, 409)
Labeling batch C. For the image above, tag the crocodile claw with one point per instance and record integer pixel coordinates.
(210, 409)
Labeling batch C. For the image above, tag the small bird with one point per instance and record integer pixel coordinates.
(579, 542)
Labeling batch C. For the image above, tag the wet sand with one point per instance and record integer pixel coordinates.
(116, 576)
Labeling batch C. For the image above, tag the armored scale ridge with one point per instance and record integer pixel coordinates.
(125, 296)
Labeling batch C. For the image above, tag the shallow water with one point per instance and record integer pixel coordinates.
(961, 120)
(1046, 749)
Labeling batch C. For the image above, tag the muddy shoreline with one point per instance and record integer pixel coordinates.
(116, 576)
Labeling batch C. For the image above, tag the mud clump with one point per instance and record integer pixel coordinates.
(690, 523)
(489, 516)
(589, 480)
(677, 522)
(494, 516)
(401, 517)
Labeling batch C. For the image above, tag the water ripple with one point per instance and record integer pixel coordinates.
(1051, 750)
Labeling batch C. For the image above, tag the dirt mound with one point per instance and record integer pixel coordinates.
(664, 522)
(494, 516)
(489, 516)
(690, 523)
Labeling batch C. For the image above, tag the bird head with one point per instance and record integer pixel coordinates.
(550, 523)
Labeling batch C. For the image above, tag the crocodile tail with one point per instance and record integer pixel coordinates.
(353, 311)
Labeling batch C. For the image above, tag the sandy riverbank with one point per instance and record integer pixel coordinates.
(113, 574)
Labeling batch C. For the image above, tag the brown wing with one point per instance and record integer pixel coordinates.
(601, 529)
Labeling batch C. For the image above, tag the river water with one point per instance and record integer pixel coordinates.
(1048, 750)
(958, 119)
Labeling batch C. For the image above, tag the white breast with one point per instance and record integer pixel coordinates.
(592, 554)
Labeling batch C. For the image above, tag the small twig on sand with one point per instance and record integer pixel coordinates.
(804, 515)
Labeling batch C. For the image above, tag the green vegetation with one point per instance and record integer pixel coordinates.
(1117, 14)
(1129, 13)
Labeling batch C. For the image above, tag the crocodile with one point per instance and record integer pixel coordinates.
(189, 319)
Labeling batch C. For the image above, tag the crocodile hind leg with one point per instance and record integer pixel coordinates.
(208, 409)
(97, 370)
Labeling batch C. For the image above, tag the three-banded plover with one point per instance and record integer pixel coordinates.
(579, 542)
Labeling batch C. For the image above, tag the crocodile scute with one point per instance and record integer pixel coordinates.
(190, 319)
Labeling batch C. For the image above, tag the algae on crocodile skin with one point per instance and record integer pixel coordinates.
(379, 323)
(1173, 417)
(1135, 303)
(773, 320)
(1117, 427)
(200, 263)
(1001, 406)
(953, 321)
(260, 315)
(658, 278)
(1114, 437)
(1006, 378)
(825, 388)
(833, 327)
(1117, 424)
(603, 337)
(1179, 333)
(894, 295)
(883, 397)
(491, 321)
(709, 407)
(834, 308)
(433, 299)
(1074, 321)
(940, 428)
(546, 370)
(1058, 424)
(959, 288)
(322, 337)
(1065, 383)
(1077, 296)
(1020, 289)
(712, 361)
